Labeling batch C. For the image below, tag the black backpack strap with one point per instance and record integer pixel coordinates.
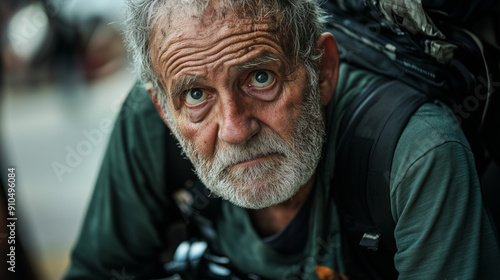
(370, 130)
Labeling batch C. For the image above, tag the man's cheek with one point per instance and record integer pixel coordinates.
(201, 137)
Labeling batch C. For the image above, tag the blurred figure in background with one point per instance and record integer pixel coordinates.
(61, 35)
(55, 58)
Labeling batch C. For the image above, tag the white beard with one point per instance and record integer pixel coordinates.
(268, 182)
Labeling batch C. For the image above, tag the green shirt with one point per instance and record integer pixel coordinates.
(442, 231)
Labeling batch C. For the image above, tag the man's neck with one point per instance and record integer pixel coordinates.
(273, 219)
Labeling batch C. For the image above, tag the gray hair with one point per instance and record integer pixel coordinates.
(299, 23)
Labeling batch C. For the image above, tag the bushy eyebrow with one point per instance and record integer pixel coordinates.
(182, 84)
(265, 58)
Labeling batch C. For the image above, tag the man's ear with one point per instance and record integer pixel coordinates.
(328, 66)
(154, 98)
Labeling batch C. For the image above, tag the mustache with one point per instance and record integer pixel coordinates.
(260, 145)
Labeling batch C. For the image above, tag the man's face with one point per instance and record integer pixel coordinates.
(251, 126)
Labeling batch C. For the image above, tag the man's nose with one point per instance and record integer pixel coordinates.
(238, 123)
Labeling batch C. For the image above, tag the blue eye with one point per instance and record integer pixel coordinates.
(261, 78)
(195, 96)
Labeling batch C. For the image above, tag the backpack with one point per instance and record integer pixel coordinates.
(464, 78)
(460, 68)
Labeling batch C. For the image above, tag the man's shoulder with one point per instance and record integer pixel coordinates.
(432, 135)
(437, 118)
(431, 126)
(138, 124)
(138, 106)
(139, 134)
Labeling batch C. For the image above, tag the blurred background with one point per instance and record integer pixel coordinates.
(64, 74)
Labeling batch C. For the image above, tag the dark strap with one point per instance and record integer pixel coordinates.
(370, 130)
(404, 102)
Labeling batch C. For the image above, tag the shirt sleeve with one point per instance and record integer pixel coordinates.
(442, 230)
(123, 234)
